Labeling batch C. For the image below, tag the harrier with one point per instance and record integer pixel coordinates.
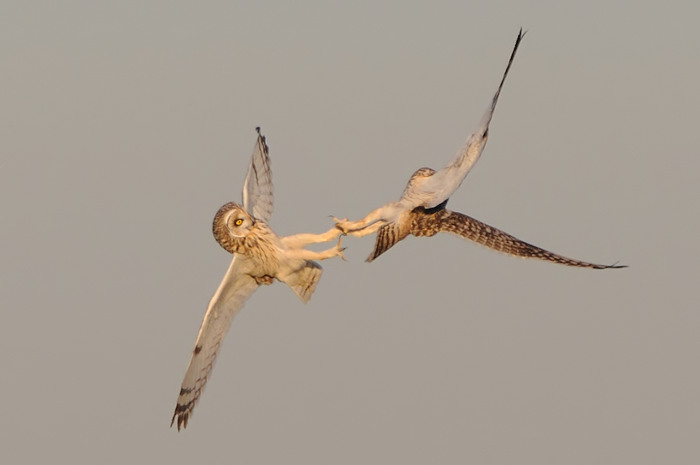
(421, 209)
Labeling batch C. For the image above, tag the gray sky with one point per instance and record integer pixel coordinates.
(124, 126)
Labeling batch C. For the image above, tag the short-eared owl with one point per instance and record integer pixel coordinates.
(259, 257)
(421, 210)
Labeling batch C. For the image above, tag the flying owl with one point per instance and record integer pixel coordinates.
(259, 257)
(421, 209)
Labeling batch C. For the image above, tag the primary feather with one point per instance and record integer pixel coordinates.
(257, 186)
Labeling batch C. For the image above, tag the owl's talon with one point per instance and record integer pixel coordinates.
(339, 250)
(340, 253)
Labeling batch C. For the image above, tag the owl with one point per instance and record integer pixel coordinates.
(259, 257)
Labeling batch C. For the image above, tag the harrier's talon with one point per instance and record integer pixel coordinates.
(341, 225)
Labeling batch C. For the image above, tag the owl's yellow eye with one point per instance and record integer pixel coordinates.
(238, 222)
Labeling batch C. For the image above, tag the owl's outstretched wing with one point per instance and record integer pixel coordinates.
(488, 236)
(444, 182)
(228, 299)
(257, 187)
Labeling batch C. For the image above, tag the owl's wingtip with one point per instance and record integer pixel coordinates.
(182, 418)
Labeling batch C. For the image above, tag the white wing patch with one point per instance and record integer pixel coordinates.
(257, 187)
(443, 183)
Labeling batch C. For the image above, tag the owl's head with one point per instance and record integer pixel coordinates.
(231, 222)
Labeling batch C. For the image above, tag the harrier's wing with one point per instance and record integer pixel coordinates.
(474, 230)
(444, 182)
(228, 299)
(257, 187)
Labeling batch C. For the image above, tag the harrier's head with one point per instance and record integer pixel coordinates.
(422, 173)
(413, 187)
(231, 222)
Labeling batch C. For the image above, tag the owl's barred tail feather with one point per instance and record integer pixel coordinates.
(304, 280)
(488, 236)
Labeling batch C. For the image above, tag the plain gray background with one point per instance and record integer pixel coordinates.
(125, 125)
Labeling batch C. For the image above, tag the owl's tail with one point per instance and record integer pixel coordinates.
(304, 280)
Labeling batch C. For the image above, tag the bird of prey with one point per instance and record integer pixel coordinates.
(421, 209)
(259, 257)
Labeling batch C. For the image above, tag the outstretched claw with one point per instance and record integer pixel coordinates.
(332, 234)
(339, 250)
(342, 225)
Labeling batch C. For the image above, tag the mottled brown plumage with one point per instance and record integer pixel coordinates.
(423, 222)
(421, 209)
(259, 241)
